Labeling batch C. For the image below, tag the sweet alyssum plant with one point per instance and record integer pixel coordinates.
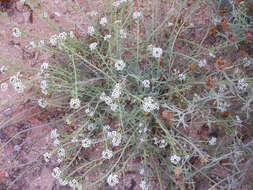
(128, 92)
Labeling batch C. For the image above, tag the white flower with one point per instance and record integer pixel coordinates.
(170, 24)
(22, 2)
(44, 91)
(54, 134)
(116, 137)
(102, 96)
(142, 171)
(91, 30)
(116, 4)
(120, 65)
(222, 106)
(61, 153)
(212, 141)
(41, 43)
(19, 87)
(62, 36)
(56, 173)
(86, 143)
(14, 79)
(103, 21)
(143, 185)
(56, 142)
(117, 21)
(16, 32)
(42, 102)
(53, 40)
(93, 46)
(112, 180)
(116, 92)
(71, 34)
(108, 100)
(241, 85)
(175, 159)
(74, 183)
(211, 55)
(202, 63)
(146, 83)
(107, 154)
(238, 119)
(136, 14)
(44, 66)
(32, 44)
(4, 87)
(106, 127)
(181, 77)
(157, 52)
(150, 105)
(122, 33)
(108, 36)
(47, 156)
(114, 106)
(3, 69)
(150, 47)
(63, 181)
(89, 112)
(74, 103)
(91, 127)
(162, 144)
(43, 84)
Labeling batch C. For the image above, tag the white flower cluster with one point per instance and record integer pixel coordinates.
(108, 101)
(61, 154)
(212, 141)
(16, 32)
(116, 92)
(91, 30)
(17, 83)
(123, 34)
(175, 159)
(75, 103)
(3, 69)
(202, 63)
(143, 185)
(43, 86)
(242, 85)
(4, 86)
(180, 76)
(120, 65)
(106, 37)
(161, 143)
(113, 180)
(47, 156)
(89, 112)
(107, 154)
(56, 173)
(136, 15)
(116, 137)
(150, 105)
(42, 102)
(103, 21)
(75, 184)
(93, 46)
(247, 62)
(86, 143)
(146, 83)
(54, 39)
(156, 52)
(91, 126)
(222, 106)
